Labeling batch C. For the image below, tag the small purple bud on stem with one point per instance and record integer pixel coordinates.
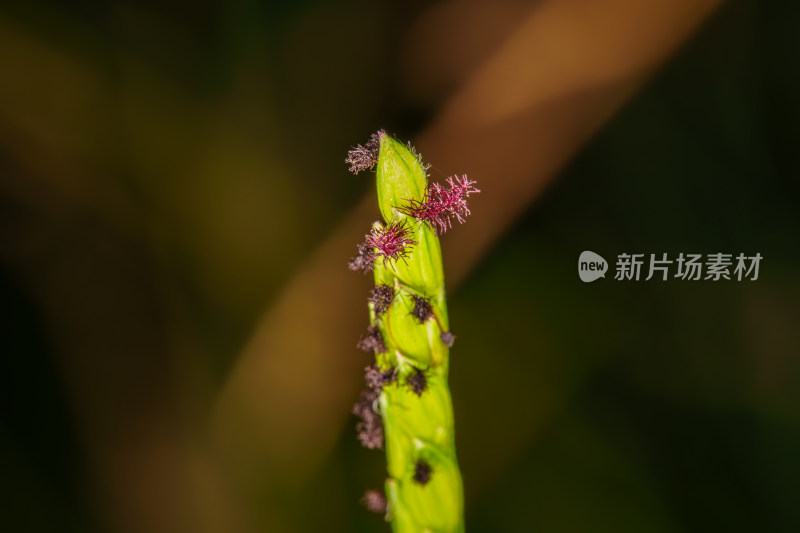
(365, 157)
(417, 381)
(422, 471)
(370, 427)
(372, 341)
(422, 309)
(362, 262)
(381, 298)
(448, 339)
(375, 378)
(375, 501)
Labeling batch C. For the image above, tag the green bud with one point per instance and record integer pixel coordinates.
(409, 336)
(437, 504)
(400, 177)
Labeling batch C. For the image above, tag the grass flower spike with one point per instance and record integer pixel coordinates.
(406, 406)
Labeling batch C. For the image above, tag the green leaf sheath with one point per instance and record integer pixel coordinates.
(418, 425)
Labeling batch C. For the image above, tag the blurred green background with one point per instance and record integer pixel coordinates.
(178, 324)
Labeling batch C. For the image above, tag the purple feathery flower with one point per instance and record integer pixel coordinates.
(390, 242)
(365, 157)
(440, 204)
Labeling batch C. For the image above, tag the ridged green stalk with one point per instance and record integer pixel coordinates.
(424, 489)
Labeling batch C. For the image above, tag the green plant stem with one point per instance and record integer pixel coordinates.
(424, 488)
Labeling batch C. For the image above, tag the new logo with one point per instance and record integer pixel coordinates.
(591, 266)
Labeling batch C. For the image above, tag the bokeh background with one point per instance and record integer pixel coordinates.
(179, 326)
